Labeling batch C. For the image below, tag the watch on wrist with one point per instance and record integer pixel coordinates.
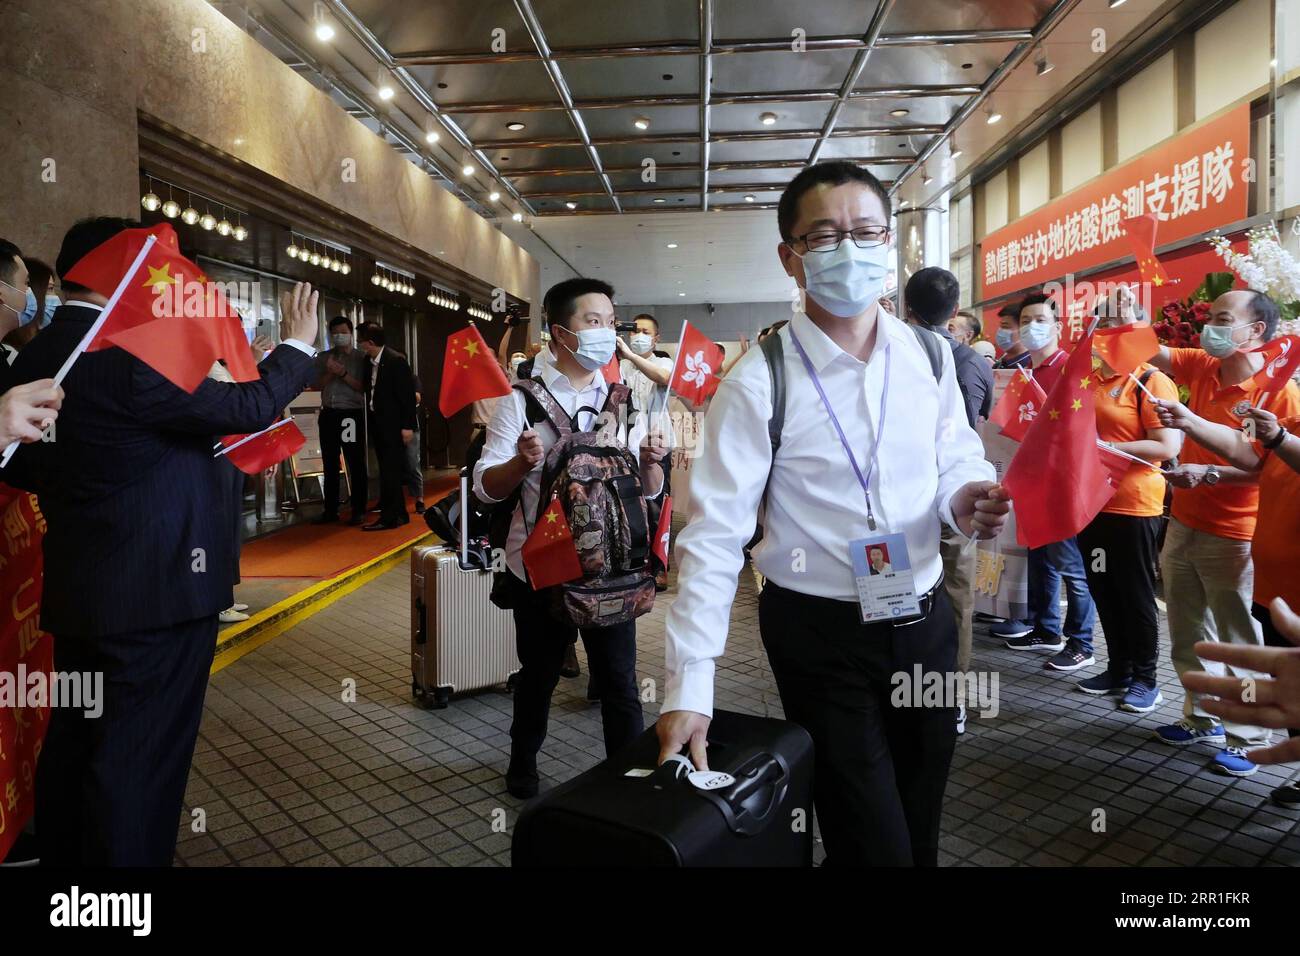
(1276, 439)
(1211, 476)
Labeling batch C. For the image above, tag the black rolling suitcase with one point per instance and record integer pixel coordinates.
(625, 812)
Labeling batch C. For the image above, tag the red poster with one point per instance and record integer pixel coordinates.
(1193, 183)
(24, 650)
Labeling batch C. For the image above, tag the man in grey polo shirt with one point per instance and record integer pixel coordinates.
(341, 371)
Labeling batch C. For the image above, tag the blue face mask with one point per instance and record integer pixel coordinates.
(1217, 340)
(28, 314)
(1037, 335)
(849, 280)
(595, 347)
(1005, 338)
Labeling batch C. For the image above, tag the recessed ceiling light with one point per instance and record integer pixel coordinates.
(1116, 3)
(518, 217)
(324, 32)
(926, 179)
(672, 245)
(681, 293)
(956, 151)
(641, 122)
(767, 119)
(1044, 65)
(515, 126)
(749, 197)
(494, 196)
(431, 137)
(967, 66)
(442, 86)
(467, 169)
(899, 112)
(668, 76)
(993, 116)
(385, 92)
(571, 205)
(661, 199)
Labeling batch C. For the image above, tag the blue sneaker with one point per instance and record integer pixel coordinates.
(1009, 629)
(1102, 684)
(1233, 761)
(1141, 698)
(1183, 733)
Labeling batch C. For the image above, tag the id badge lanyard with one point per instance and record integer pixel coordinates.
(864, 480)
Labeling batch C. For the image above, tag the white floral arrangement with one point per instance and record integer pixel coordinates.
(1267, 267)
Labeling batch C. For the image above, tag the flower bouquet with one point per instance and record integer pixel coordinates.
(1267, 267)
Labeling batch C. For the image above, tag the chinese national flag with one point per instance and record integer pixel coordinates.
(612, 370)
(550, 556)
(1141, 232)
(698, 361)
(1057, 478)
(1281, 358)
(469, 372)
(166, 313)
(1020, 404)
(1125, 347)
(256, 452)
(660, 545)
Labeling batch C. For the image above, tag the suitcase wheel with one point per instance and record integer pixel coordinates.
(512, 682)
(441, 697)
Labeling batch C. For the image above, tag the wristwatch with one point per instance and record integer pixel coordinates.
(1211, 476)
(1276, 440)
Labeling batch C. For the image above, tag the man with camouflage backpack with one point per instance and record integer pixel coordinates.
(566, 434)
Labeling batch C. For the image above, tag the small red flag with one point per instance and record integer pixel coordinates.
(1125, 347)
(167, 313)
(1020, 404)
(1281, 358)
(469, 372)
(612, 370)
(1057, 478)
(660, 546)
(550, 556)
(1141, 232)
(695, 371)
(258, 451)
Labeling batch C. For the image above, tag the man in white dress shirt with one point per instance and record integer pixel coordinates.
(858, 382)
(580, 313)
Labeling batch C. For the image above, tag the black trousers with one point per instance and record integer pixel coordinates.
(235, 480)
(333, 422)
(109, 789)
(391, 452)
(541, 642)
(880, 770)
(1124, 590)
(1272, 638)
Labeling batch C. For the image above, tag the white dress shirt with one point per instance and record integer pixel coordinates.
(815, 504)
(647, 394)
(509, 421)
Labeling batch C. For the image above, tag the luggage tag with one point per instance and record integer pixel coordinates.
(883, 571)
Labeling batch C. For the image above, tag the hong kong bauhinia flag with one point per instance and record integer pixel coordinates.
(1020, 404)
(469, 372)
(550, 556)
(695, 371)
(1281, 358)
(1057, 478)
(162, 308)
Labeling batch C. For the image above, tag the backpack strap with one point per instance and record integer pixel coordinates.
(1146, 376)
(933, 346)
(774, 355)
(541, 406)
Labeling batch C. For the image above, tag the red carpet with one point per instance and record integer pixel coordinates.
(326, 551)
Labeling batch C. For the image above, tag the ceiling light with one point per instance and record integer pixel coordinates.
(385, 92)
(374, 279)
(346, 269)
(767, 119)
(749, 197)
(899, 112)
(1116, 3)
(926, 179)
(324, 32)
(208, 222)
(992, 116)
(190, 215)
(1044, 65)
(641, 122)
(571, 205)
(467, 169)
(672, 245)
(225, 228)
(314, 259)
(956, 152)
(661, 199)
(171, 209)
(492, 197)
(150, 201)
(518, 217)
(515, 126)
(240, 233)
(431, 137)
(681, 293)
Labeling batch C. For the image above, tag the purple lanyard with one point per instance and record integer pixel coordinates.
(864, 480)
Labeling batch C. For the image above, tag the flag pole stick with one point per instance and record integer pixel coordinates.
(1124, 454)
(226, 449)
(94, 329)
(1138, 382)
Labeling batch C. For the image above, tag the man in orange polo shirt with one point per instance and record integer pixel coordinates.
(1273, 550)
(1119, 545)
(1208, 573)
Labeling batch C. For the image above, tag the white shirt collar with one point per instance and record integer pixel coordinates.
(822, 349)
(82, 303)
(378, 356)
(551, 376)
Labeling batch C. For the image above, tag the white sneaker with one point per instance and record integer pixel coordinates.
(961, 718)
(239, 606)
(231, 616)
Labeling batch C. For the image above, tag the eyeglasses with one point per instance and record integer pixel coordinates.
(828, 240)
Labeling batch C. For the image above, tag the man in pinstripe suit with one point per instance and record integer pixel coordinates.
(137, 567)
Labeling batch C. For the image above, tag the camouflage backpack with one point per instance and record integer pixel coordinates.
(598, 483)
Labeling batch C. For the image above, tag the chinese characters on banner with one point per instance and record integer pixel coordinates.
(22, 642)
(1193, 183)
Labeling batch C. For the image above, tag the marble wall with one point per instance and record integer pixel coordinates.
(75, 74)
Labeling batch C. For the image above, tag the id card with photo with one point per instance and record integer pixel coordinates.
(883, 569)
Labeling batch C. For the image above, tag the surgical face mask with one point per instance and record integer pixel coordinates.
(849, 280)
(341, 340)
(1218, 341)
(23, 317)
(640, 343)
(1037, 335)
(514, 365)
(1005, 339)
(595, 347)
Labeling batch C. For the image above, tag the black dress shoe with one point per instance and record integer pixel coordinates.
(522, 780)
(325, 519)
(380, 526)
(419, 506)
(570, 666)
(356, 520)
(593, 691)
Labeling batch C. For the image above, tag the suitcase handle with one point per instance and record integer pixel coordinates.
(761, 785)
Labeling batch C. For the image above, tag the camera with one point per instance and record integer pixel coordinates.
(624, 327)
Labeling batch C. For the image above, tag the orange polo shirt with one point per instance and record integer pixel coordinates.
(1277, 534)
(1224, 510)
(1141, 491)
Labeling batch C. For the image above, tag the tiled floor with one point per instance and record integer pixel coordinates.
(288, 773)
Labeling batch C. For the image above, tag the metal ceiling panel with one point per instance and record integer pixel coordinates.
(756, 72)
(633, 76)
(662, 153)
(745, 19)
(789, 116)
(966, 15)
(890, 66)
(927, 110)
(480, 82)
(493, 126)
(582, 23)
(445, 25)
(621, 123)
